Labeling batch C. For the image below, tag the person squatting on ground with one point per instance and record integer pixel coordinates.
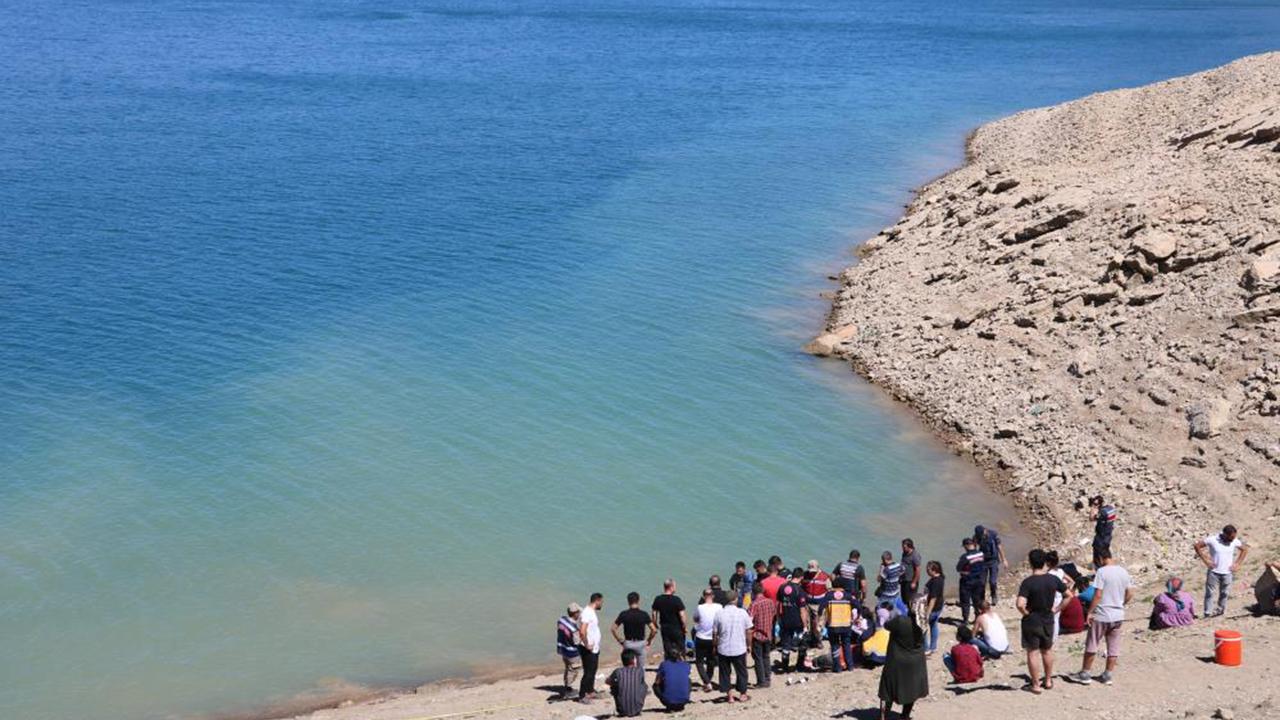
(627, 686)
(965, 660)
(671, 683)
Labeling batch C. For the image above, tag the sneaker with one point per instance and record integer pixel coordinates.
(1105, 678)
(1081, 677)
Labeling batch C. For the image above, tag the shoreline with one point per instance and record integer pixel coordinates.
(1042, 505)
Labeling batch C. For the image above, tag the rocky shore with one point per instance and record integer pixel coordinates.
(1091, 305)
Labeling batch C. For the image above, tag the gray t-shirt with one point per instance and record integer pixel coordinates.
(911, 565)
(1111, 582)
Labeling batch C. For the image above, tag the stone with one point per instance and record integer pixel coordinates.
(1208, 418)
(1264, 270)
(827, 344)
(1057, 222)
(1156, 245)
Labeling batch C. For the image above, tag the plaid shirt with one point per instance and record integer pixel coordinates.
(763, 612)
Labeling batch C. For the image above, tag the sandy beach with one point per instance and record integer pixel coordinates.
(1090, 305)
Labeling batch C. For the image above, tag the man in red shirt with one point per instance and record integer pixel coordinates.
(769, 585)
(764, 611)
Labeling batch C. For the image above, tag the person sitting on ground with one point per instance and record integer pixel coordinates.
(671, 684)
(627, 686)
(965, 660)
(989, 633)
(1071, 620)
(1172, 608)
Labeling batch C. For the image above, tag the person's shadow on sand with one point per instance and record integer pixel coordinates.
(861, 714)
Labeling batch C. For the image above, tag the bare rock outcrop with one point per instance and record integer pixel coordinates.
(1092, 305)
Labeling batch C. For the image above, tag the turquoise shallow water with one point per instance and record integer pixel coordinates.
(346, 342)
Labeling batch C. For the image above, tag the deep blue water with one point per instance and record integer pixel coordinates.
(351, 340)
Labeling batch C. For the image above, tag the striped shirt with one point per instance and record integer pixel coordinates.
(567, 637)
(629, 690)
(891, 580)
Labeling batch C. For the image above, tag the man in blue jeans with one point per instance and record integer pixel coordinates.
(992, 556)
(1218, 553)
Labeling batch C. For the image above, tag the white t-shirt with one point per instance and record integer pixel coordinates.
(1224, 554)
(592, 624)
(732, 625)
(704, 620)
(994, 633)
(1111, 582)
(1057, 597)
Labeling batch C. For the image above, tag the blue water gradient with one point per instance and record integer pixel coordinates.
(345, 342)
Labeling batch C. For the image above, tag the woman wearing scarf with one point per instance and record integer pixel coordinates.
(1173, 607)
(905, 678)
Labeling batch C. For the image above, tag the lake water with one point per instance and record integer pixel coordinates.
(343, 343)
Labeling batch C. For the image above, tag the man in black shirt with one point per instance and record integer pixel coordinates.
(635, 625)
(1035, 602)
(791, 604)
(669, 618)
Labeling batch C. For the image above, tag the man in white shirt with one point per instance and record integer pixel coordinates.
(733, 643)
(1218, 553)
(1113, 589)
(589, 647)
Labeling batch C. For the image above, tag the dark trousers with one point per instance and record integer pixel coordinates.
(790, 640)
(841, 646)
(738, 663)
(992, 573)
(590, 663)
(764, 667)
(672, 641)
(971, 594)
(704, 658)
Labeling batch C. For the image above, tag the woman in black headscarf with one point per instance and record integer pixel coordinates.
(904, 679)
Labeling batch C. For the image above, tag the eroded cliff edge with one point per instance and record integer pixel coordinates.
(1091, 304)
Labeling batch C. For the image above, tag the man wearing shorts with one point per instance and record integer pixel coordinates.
(1035, 602)
(1113, 589)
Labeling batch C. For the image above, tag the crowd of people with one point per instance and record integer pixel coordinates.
(769, 607)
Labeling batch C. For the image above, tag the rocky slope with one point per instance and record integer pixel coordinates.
(1092, 305)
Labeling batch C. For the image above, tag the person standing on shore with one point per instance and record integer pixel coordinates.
(627, 686)
(733, 643)
(1104, 524)
(912, 574)
(567, 647)
(764, 612)
(851, 575)
(713, 584)
(972, 569)
(1219, 555)
(839, 611)
(772, 581)
(1113, 589)
(704, 626)
(791, 602)
(890, 590)
(635, 625)
(669, 617)
(905, 677)
(741, 580)
(816, 586)
(1035, 602)
(589, 646)
(933, 602)
(992, 557)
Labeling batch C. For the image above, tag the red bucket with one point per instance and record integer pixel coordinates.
(1228, 647)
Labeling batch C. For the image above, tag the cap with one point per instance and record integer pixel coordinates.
(978, 529)
(574, 608)
(813, 565)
